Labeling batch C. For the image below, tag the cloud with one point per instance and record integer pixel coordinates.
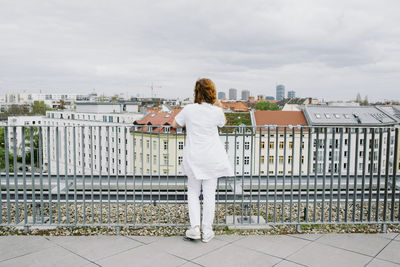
(327, 49)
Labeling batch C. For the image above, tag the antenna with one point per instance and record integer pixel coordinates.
(152, 89)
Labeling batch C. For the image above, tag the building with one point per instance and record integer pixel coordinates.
(277, 142)
(352, 139)
(221, 95)
(291, 94)
(269, 98)
(245, 94)
(260, 97)
(280, 92)
(232, 94)
(230, 106)
(15, 131)
(88, 142)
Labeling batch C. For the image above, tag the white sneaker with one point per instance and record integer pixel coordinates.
(193, 233)
(207, 236)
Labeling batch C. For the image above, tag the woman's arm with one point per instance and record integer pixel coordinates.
(175, 125)
(218, 103)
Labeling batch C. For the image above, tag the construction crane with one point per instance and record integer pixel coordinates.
(152, 87)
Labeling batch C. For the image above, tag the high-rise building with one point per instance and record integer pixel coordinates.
(221, 95)
(232, 94)
(268, 97)
(280, 92)
(245, 94)
(291, 94)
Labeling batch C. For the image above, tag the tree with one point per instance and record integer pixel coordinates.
(40, 108)
(266, 105)
(365, 102)
(358, 98)
(3, 153)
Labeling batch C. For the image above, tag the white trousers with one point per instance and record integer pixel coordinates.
(209, 186)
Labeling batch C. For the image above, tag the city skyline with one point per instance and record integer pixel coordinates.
(323, 50)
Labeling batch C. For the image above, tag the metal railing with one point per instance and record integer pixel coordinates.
(124, 175)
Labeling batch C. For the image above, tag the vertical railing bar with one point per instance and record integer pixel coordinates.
(125, 176)
(243, 141)
(309, 153)
(284, 173)
(134, 174)
(226, 180)
(386, 173)
(7, 165)
(348, 174)
(83, 174)
(151, 173)
(251, 171)
(291, 177)
(371, 174)
(142, 158)
(259, 174)
(15, 164)
(184, 181)
(91, 172)
(100, 169)
(234, 179)
(33, 188)
(332, 172)
(324, 174)
(395, 164)
(58, 175)
(49, 175)
(356, 173)
(340, 175)
(300, 173)
(276, 171)
(40, 159)
(363, 174)
(108, 176)
(159, 174)
(75, 186)
(378, 184)
(66, 174)
(176, 175)
(24, 175)
(217, 193)
(316, 174)
(267, 182)
(117, 171)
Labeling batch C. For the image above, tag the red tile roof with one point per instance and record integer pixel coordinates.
(157, 118)
(281, 118)
(235, 106)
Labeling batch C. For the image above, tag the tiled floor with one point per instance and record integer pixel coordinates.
(269, 250)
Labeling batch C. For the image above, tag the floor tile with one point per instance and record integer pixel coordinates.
(142, 256)
(286, 263)
(145, 239)
(311, 237)
(317, 254)
(233, 255)
(95, 247)
(391, 252)
(381, 263)
(187, 249)
(229, 238)
(13, 246)
(53, 256)
(276, 245)
(369, 244)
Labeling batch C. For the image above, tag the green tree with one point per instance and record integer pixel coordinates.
(28, 149)
(3, 153)
(40, 108)
(266, 105)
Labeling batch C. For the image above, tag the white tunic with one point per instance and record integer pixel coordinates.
(204, 156)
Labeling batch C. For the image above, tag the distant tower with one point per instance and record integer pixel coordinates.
(280, 92)
(232, 94)
(245, 94)
(221, 95)
(291, 94)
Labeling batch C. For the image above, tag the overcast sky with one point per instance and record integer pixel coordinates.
(325, 49)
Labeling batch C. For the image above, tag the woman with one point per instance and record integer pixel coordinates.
(204, 158)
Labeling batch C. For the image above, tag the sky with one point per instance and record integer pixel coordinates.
(330, 50)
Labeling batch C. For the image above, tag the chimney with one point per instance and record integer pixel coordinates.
(309, 100)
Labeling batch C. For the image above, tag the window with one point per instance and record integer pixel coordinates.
(246, 160)
(289, 159)
(180, 145)
(271, 145)
(246, 145)
(154, 159)
(165, 145)
(180, 158)
(237, 160)
(237, 145)
(281, 145)
(271, 159)
(280, 159)
(290, 145)
(147, 158)
(147, 143)
(262, 144)
(154, 144)
(165, 159)
(262, 159)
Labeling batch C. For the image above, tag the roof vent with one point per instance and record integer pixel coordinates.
(167, 116)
